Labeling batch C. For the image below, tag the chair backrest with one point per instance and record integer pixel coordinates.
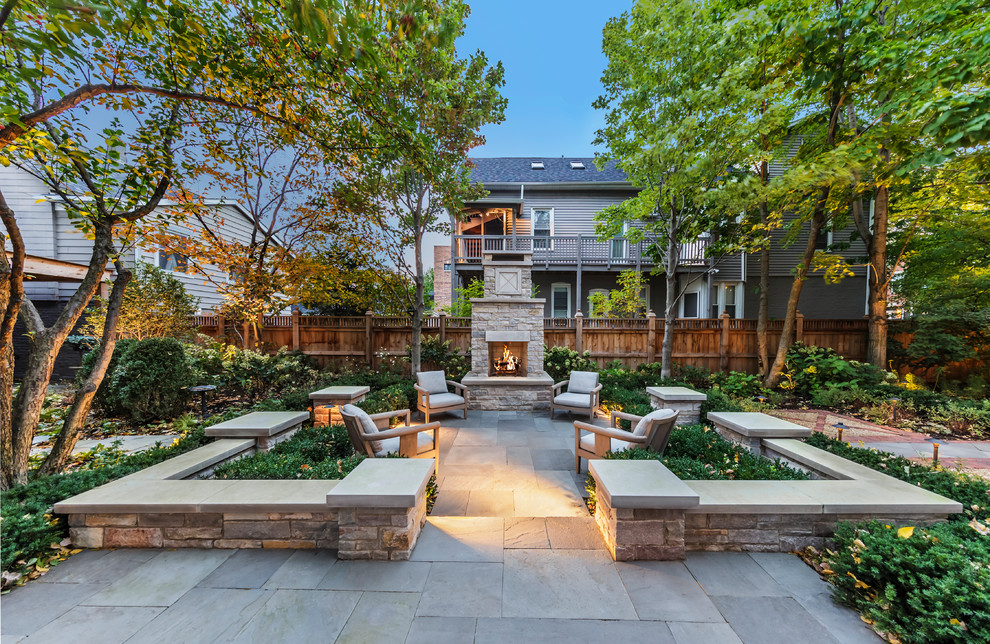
(434, 382)
(659, 434)
(353, 425)
(582, 382)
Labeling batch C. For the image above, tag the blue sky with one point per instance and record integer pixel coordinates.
(552, 54)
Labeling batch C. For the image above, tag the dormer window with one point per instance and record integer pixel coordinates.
(536, 165)
(577, 165)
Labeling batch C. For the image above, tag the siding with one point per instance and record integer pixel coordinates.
(574, 210)
(22, 193)
(48, 232)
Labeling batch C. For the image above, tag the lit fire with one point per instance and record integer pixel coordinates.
(508, 363)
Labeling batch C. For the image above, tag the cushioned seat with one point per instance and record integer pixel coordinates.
(424, 442)
(432, 394)
(581, 396)
(371, 435)
(445, 400)
(651, 432)
(588, 443)
(572, 400)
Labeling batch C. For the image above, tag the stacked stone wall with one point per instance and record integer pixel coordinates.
(387, 534)
(641, 534)
(205, 530)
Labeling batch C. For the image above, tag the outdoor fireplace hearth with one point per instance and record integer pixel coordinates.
(507, 359)
(507, 339)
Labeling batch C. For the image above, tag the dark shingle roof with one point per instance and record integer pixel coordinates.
(556, 170)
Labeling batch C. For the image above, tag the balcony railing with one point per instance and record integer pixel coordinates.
(570, 250)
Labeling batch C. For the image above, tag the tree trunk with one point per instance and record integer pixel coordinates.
(44, 347)
(670, 304)
(75, 420)
(419, 307)
(11, 297)
(763, 315)
(879, 281)
(790, 319)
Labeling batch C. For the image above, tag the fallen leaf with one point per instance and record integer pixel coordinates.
(859, 584)
(905, 532)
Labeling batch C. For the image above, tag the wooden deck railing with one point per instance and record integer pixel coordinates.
(570, 250)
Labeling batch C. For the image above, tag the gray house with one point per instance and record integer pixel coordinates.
(51, 239)
(548, 206)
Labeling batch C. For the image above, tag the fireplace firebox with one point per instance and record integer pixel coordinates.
(507, 359)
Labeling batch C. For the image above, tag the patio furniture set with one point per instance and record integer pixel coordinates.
(374, 435)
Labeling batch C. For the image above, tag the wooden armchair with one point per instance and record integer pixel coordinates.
(651, 432)
(432, 395)
(581, 396)
(371, 436)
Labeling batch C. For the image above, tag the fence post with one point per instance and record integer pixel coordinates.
(799, 326)
(369, 348)
(296, 346)
(443, 328)
(651, 337)
(221, 325)
(578, 331)
(723, 343)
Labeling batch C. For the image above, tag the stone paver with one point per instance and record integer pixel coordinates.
(538, 573)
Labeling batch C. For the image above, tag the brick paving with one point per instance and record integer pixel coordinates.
(965, 455)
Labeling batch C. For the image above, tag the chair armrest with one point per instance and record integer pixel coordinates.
(401, 431)
(557, 386)
(624, 416)
(456, 385)
(389, 415)
(608, 431)
(422, 395)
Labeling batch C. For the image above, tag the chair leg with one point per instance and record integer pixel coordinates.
(426, 415)
(577, 463)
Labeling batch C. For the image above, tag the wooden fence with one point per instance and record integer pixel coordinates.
(718, 344)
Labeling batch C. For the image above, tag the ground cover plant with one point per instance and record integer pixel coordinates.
(913, 583)
(312, 453)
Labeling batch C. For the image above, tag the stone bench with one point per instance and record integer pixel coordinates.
(645, 512)
(687, 402)
(267, 428)
(750, 428)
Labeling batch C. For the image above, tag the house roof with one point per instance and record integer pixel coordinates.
(555, 170)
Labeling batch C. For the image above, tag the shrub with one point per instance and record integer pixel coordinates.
(391, 398)
(741, 385)
(559, 362)
(441, 355)
(257, 374)
(312, 453)
(718, 400)
(148, 380)
(155, 304)
(925, 585)
(808, 369)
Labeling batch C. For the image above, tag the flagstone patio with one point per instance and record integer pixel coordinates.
(509, 555)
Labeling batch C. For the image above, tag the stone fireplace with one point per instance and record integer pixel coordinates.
(507, 338)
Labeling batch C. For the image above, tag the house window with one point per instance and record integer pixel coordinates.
(446, 266)
(592, 292)
(542, 227)
(824, 240)
(560, 301)
(617, 247)
(175, 262)
(689, 304)
(726, 298)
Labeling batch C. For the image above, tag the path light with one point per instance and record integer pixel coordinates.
(839, 427)
(893, 405)
(762, 399)
(202, 391)
(934, 453)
